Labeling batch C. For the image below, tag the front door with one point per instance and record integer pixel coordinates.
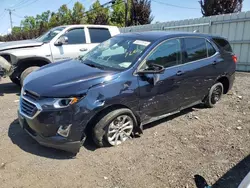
(75, 47)
(160, 93)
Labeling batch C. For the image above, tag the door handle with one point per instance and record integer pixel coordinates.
(84, 49)
(179, 73)
(215, 62)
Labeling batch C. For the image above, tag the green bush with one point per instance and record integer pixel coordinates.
(22, 35)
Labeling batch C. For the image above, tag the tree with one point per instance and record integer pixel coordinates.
(16, 30)
(54, 20)
(98, 14)
(28, 23)
(64, 15)
(217, 7)
(43, 20)
(118, 14)
(78, 13)
(140, 12)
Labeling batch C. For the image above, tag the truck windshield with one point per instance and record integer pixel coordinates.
(48, 36)
(116, 53)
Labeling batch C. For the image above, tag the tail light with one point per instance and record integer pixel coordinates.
(235, 59)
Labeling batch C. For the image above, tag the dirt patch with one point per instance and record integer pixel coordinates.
(213, 143)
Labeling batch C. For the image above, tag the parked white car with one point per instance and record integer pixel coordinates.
(60, 43)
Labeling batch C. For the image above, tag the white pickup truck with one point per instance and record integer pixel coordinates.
(60, 43)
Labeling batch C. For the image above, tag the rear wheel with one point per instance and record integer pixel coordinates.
(114, 128)
(214, 95)
(26, 72)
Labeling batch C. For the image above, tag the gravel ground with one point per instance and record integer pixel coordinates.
(213, 143)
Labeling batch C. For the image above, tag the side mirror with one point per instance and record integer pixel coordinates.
(61, 41)
(152, 69)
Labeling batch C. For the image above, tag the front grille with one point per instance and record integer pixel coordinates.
(31, 95)
(27, 108)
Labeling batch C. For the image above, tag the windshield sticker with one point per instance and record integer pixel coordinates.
(141, 42)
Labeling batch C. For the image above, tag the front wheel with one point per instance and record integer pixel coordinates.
(214, 95)
(114, 128)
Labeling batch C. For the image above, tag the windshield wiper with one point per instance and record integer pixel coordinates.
(92, 65)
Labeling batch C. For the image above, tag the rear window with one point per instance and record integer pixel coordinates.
(223, 44)
(98, 35)
(196, 49)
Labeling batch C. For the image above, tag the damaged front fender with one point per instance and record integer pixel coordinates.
(6, 68)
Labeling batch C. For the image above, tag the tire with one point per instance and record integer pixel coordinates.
(214, 95)
(26, 72)
(15, 80)
(106, 123)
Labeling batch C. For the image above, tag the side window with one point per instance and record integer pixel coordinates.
(210, 49)
(222, 43)
(76, 36)
(98, 35)
(195, 49)
(168, 54)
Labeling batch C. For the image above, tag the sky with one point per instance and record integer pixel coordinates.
(162, 10)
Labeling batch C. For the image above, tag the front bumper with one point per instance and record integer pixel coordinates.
(55, 141)
(5, 67)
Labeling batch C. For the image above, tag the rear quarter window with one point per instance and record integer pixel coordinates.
(99, 35)
(223, 44)
(210, 49)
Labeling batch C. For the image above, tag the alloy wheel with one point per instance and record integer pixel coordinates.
(216, 95)
(120, 129)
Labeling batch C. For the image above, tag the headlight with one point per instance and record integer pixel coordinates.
(65, 102)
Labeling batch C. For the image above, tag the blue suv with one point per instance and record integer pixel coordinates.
(124, 83)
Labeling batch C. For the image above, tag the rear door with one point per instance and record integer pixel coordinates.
(199, 69)
(97, 35)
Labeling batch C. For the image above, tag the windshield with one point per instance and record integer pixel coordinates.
(116, 53)
(47, 37)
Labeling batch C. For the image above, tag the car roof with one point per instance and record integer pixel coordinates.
(153, 36)
(88, 25)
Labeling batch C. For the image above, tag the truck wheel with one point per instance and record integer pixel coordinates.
(26, 72)
(114, 128)
(214, 95)
(15, 80)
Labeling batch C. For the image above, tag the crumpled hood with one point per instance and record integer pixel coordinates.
(65, 79)
(19, 44)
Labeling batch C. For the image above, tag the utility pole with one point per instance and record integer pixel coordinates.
(10, 12)
(126, 12)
